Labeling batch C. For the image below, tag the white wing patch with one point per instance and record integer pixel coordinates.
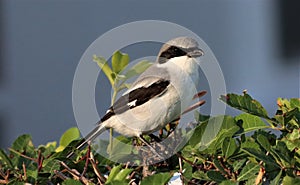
(132, 104)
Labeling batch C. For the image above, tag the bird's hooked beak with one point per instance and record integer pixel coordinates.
(195, 53)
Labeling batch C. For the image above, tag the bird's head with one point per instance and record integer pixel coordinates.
(177, 47)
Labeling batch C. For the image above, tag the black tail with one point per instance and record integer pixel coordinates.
(88, 138)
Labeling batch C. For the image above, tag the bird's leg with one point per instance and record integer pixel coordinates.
(199, 94)
(194, 106)
(151, 148)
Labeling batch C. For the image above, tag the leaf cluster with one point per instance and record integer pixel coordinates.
(253, 147)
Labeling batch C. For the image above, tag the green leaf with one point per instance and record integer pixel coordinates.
(71, 182)
(102, 63)
(49, 165)
(119, 61)
(123, 174)
(122, 148)
(245, 103)
(276, 181)
(157, 179)
(48, 149)
(250, 181)
(264, 142)
(248, 172)
(238, 164)
(197, 135)
(32, 174)
(250, 144)
(219, 166)
(113, 173)
(23, 143)
(250, 122)
(123, 86)
(200, 175)
(216, 176)
(137, 69)
(15, 182)
(69, 136)
(200, 117)
(292, 140)
(229, 147)
(287, 180)
(117, 183)
(188, 171)
(4, 159)
(228, 182)
(282, 154)
(227, 129)
(290, 115)
(259, 155)
(295, 103)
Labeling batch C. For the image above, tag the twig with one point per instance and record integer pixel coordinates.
(189, 162)
(3, 181)
(1, 172)
(40, 160)
(25, 173)
(22, 155)
(75, 174)
(224, 166)
(180, 170)
(100, 177)
(5, 177)
(87, 159)
(60, 175)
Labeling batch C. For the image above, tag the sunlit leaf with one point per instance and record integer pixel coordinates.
(69, 136)
(245, 103)
(123, 174)
(119, 61)
(250, 122)
(102, 63)
(137, 69)
(224, 126)
(292, 140)
(23, 143)
(113, 173)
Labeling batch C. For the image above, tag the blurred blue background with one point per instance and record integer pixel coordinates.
(257, 44)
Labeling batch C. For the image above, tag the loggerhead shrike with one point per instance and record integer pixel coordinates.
(159, 95)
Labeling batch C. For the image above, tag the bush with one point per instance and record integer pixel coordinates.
(244, 151)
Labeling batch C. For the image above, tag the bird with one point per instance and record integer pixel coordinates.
(158, 96)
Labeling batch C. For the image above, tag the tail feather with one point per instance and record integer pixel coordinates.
(88, 138)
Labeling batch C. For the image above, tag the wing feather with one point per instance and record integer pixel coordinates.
(136, 97)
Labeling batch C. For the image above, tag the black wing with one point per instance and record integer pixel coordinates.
(136, 97)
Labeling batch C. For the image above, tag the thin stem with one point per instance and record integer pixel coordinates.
(20, 154)
(111, 131)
